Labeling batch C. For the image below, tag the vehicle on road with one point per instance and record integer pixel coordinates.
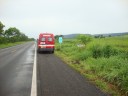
(46, 42)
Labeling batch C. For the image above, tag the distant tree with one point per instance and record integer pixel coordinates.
(12, 34)
(23, 37)
(31, 39)
(1, 28)
(101, 36)
(96, 36)
(57, 36)
(61, 36)
(2, 39)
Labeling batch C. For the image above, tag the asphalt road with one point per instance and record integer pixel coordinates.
(16, 66)
(55, 78)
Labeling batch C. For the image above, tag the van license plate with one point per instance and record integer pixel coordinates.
(43, 46)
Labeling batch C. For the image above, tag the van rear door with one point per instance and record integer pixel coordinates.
(46, 42)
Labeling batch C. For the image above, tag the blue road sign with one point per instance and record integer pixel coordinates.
(60, 39)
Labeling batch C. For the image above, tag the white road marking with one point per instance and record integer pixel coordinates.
(34, 77)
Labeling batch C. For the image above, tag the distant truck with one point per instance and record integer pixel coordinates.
(46, 42)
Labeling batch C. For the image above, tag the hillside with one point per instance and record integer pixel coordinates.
(105, 35)
(112, 34)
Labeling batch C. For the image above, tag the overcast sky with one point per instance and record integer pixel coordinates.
(65, 16)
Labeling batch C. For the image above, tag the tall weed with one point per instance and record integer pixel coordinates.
(113, 70)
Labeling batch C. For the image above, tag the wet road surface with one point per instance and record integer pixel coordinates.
(16, 66)
(57, 79)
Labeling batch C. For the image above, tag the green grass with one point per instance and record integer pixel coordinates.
(10, 44)
(104, 61)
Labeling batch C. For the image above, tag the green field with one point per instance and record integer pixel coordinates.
(102, 60)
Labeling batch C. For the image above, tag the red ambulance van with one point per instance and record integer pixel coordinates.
(46, 42)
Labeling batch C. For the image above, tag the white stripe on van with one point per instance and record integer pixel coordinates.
(46, 45)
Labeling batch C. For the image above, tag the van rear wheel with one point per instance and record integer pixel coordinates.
(52, 52)
(38, 51)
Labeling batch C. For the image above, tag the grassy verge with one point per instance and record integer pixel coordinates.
(10, 44)
(103, 61)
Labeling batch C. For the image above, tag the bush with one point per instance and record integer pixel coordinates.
(124, 55)
(3, 40)
(109, 51)
(103, 51)
(96, 51)
(84, 39)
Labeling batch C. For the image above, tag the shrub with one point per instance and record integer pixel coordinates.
(84, 39)
(124, 55)
(109, 51)
(103, 51)
(96, 51)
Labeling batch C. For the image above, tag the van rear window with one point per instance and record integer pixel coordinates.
(43, 39)
(49, 39)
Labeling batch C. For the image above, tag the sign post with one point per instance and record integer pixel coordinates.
(60, 41)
